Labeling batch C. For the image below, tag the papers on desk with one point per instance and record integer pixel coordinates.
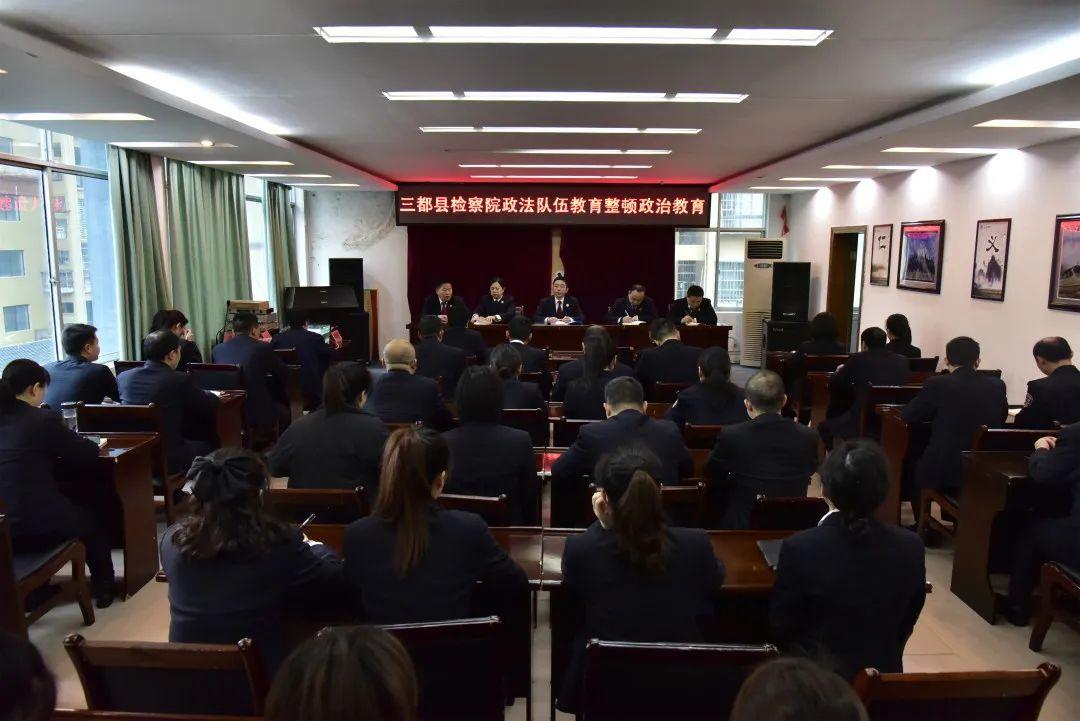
(219, 394)
(633, 322)
(770, 550)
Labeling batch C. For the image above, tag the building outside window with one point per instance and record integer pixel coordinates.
(16, 318)
(12, 264)
(258, 254)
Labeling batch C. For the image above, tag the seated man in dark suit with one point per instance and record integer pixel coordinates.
(559, 308)
(1055, 398)
(1055, 461)
(78, 378)
(442, 301)
(459, 335)
(669, 362)
(506, 362)
(634, 307)
(694, 309)
(624, 403)
(572, 370)
(956, 404)
(401, 396)
(434, 358)
(186, 410)
(314, 355)
(533, 360)
(875, 365)
(769, 455)
(265, 375)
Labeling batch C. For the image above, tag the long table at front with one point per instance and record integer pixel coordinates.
(561, 338)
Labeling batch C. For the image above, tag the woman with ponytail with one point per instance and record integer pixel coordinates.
(506, 362)
(637, 578)
(412, 561)
(585, 394)
(34, 446)
(848, 592)
(338, 446)
(899, 331)
(234, 570)
(715, 400)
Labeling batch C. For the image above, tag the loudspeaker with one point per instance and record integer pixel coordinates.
(349, 271)
(784, 336)
(790, 291)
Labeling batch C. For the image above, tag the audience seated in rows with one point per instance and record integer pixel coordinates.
(848, 592)
(506, 362)
(79, 378)
(490, 459)
(795, 689)
(770, 454)
(1055, 399)
(519, 335)
(576, 368)
(627, 423)
(236, 572)
(187, 412)
(338, 446)
(637, 578)
(669, 362)
(459, 335)
(27, 688)
(359, 673)
(436, 359)
(584, 398)
(898, 330)
(312, 350)
(413, 561)
(824, 337)
(266, 406)
(401, 396)
(37, 451)
(714, 400)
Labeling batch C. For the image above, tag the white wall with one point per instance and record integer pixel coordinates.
(1030, 186)
(349, 224)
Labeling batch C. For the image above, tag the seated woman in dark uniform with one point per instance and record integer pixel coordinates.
(848, 591)
(412, 561)
(636, 578)
(585, 395)
(715, 400)
(506, 362)
(497, 306)
(824, 336)
(177, 322)
(235, 571)
(36, 447)
(899, 331)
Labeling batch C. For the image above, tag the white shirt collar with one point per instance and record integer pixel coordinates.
(827, 515)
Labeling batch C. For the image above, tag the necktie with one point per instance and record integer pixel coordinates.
(445, 308)
(558, 308)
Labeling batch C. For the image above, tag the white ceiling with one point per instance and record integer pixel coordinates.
(885, 59)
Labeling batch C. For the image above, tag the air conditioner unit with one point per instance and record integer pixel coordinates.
(757, 294)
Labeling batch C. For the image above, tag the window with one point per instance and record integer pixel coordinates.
(9, 207)
(7, 145)
(16, 318)
(67, 308)
(22, 140)
(257, 250)
(65, 255)
(61, 234)
(11, 264)
(79, 151)
(67, 281)
(729, 284)
(742, 210)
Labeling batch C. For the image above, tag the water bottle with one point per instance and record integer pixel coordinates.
(68, 412)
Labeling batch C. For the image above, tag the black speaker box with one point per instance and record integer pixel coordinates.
(790, 292)
(349, 271)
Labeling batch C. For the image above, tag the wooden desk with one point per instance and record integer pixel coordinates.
(568, 338)
(125, 462)
(895, 438)
(229, 419)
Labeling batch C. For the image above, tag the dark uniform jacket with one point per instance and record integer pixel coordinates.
(265, 378)
(703, 314)
(401, 397)
(505, 309)
(337, 450)
(1050, 400)
(672, 362)
(571, 309)
(621, 308)
(494, 460)
(435, 358)
(76, 379)
(697, 405)
(314, 356)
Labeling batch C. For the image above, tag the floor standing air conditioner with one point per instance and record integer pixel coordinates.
(761, 253)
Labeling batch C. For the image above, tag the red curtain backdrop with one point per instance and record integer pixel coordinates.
(468, 256)
(602, 262)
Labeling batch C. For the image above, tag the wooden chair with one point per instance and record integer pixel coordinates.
(533, 421)
(800, 390)
(537, 378)
(1057, 583)
(1015, 440)
(919, 369)
(949, 505)
(288, 356)
(170, 677)
(992, 372)
(685, 503)
(123, 365)
(217, 376)
(666, 392)
(79, 714)
(491, 508)
(460, 666)
(701, 436)
(565, 430)
(665, 680)
(951, 696)
(873, 396)
(330, 505)
(658, 410)
(23, 574)
(114, 418)
(787, 513)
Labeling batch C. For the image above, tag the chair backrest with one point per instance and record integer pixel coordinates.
(330, 505)
(170, 677)
(121, 365)
(80, 714)
(967, 695)
(823, 363)
(288, 356)
(665, 680)
(992, 372)
(869, 421)
(565, 430)
(666, 392)
(537, 378)
(700, 436)
(533, 421)
(460, 668)
(787, 513)
(116, 418)
(491, 508)
(923, 365)
(658, 409)
(11, 610)
(685, 504)
(1016, 440)
(217, 376)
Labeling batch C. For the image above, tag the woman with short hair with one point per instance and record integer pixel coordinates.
(714, 400)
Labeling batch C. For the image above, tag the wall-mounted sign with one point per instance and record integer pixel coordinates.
(467, 203)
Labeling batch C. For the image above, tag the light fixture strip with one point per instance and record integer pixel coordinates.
(1012, 123)
(241, 162)
(555, 166)
(580, 151)
(47, 117)
(947, 151)
(554, 177)
(872, 167)
(558, 130)
(534, 96)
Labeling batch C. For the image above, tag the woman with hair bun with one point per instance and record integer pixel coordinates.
(899, 331)
(849, 591)
(714, 400)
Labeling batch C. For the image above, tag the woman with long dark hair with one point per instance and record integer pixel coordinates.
(234, 570)
(35, 447)
(338, 446)
(848, 592)
(176, 322)
(715, 400)
(413, 561)
(899, 331)
(506, 362)
(824, 337)
(638, 578)
(585, 395)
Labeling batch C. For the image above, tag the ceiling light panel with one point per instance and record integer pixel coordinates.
(554, 166)
(580, 151)
(554, 177)
(787, 187)
(326, 185)
(46, 117)
(871, 167)
(949, 151)
(168, 144)
(776, 36)
(533, 96)
(1056, 52)
(241, 162)
(1009, 123)
(825, 180)
(287, 175)
(528, 129)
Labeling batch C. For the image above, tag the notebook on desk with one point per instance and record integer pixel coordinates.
(770, 550)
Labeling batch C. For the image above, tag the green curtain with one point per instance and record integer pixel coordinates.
(281, 236)
(208, 245)
(140, 264)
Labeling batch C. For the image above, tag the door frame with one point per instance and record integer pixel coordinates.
(843, 230)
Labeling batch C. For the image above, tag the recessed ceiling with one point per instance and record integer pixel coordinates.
(262, 58)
